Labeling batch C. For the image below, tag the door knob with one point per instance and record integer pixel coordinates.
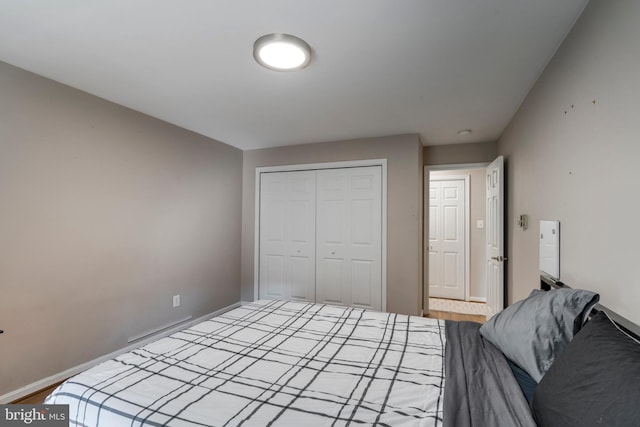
(499, 258)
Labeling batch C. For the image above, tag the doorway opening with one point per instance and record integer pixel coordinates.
(456, 240)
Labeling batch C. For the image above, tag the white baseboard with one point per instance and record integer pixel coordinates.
(477, 299)
(47, 382)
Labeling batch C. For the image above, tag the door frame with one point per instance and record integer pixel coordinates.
(467, 221)
(318, 166)
(425, 250)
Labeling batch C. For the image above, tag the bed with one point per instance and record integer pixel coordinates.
(296, 364)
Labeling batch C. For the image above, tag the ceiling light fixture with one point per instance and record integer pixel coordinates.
(282, 52)
(464, 132)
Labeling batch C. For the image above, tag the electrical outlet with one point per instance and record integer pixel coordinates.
(176, 301)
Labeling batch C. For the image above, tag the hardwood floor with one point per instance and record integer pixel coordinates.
(37, 397)
(446, 315)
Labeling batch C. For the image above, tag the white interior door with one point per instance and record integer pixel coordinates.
(349, 237)
(287, 235)
(447, 238)
(495, 236)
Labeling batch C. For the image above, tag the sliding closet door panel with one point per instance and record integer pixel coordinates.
(273, 203)
(366, 237)
(363, 284)
(331, 237)
(334, 227)
(287, 232)
(333, 276)
(274, 267)
(349, 234)
(299, 279)
(302, 243)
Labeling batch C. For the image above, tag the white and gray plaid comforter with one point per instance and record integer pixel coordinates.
(272, 363)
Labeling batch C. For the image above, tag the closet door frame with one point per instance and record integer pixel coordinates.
(318, 166)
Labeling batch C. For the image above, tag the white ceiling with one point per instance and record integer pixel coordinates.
(380, 67)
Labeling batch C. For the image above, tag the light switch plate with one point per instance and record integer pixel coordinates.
(480, 223)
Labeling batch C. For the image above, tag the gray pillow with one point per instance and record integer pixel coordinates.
(594, 382)
(534, 331)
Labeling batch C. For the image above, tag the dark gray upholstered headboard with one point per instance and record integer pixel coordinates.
(547, 283)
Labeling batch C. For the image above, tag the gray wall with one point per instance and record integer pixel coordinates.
(404, 208)
(572, 154)
(477, 236)
(106, 213)
(484, 152)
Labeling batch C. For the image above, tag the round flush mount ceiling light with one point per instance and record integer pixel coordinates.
(282, 52)
(464, 132)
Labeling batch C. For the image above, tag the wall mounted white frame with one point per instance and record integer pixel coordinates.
(319, 166)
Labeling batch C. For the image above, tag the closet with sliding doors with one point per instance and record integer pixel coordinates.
(320, 236)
